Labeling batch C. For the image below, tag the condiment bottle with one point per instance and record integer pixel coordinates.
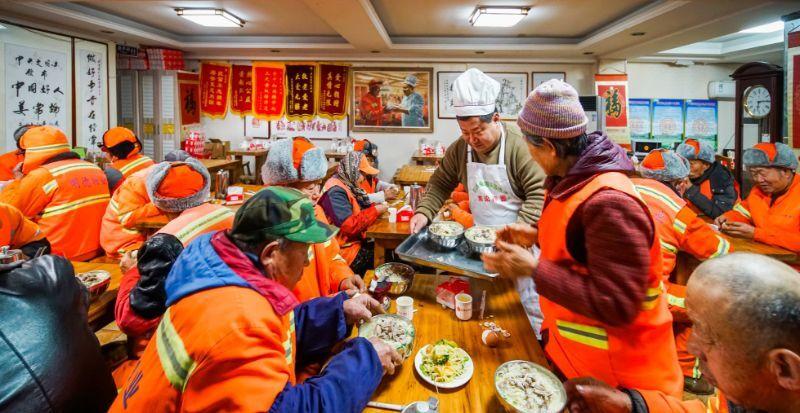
(422, 407)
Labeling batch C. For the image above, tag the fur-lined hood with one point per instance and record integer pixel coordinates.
(279, 168)
(157, 175)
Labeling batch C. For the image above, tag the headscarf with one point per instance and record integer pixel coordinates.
(349, 173)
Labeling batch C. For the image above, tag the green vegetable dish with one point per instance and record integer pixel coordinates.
(443, 361)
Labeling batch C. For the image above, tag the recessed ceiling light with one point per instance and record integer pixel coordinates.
(637, 34)
(275, 51)
(765, 28)
(211, 17)
(497, 16)
(588, 53)
(479, 52)
(106, 31)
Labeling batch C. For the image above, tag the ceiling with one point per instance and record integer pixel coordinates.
(579, 31)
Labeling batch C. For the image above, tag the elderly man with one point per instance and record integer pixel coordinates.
(412, 104)
(771, 213)
(713, 189)
(371, 109)
(599, 274)
(233, 332)
(747, 337)
(679, 229)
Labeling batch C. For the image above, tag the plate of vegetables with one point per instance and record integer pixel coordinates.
(444, 365)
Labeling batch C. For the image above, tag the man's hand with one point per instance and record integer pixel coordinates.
(418, 221)
(510, 260)
(588, 395)
(360, 309)
(524, 235)
(739, 230)
(127, 262)
(381, 208)
(352, 285)
(720, 221)
(389, 357)
(17, 171)
(391, 192)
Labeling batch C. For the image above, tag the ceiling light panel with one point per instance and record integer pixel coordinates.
(210, 17)
(497, 16)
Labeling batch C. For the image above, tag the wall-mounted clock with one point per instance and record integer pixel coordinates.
(757, 101)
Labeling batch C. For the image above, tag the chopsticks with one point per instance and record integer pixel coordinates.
(386, 406)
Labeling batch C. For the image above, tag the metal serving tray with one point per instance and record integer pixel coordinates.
(418, 249)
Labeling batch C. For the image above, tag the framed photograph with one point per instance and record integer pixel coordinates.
(316, 129)
(391, 99)
(513, 92)
(255, 127)
(541, 77)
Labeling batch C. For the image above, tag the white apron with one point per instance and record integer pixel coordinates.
(493, 203)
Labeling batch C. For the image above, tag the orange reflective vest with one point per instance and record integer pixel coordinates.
(67, 199)
(349, 248)
(129, 205)
(132, 164)
(677, 226)
(369, 185)
(639, 355)
(16, 230)
(239, 358)
(197, 221)
(777, 222)
(9, 161)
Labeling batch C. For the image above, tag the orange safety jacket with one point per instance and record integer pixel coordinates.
(9, 161)
(677, 226)
(67, 199)
(16, 230)
(129, 205)
(197, 221)
(369, 185)
(638, 355)
(777, 222)
(132, 164)
(349, 248)
(658, 402)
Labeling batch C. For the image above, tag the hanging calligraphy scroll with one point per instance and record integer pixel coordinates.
(332, 96)
(614, 90)
(91, 94)
(214, 86)
(300, 101)
(268, 90)
(242, 90)
(189, 89)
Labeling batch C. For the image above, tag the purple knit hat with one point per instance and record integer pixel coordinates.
(553, 110)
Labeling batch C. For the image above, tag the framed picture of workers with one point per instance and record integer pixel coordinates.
(391, 99)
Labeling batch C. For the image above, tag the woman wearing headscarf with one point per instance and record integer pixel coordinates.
(348, 207)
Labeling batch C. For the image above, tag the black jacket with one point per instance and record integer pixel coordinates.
(50, 359)
(723, 191)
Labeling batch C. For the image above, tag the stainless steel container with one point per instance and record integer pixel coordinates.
(560, 396)
(8, 256)
(478, 247)
(415, 197)
(221, 184)
(445, 241)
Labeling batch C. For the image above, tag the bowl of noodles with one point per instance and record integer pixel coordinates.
(444, 365)
(526, 387)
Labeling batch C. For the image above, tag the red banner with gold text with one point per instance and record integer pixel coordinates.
(242, 90)
(214, 87)
(189, 90)
(332, 96)
(300, 87)
(614, 90)
(269, 90)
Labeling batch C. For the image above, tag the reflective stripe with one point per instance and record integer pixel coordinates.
(45, 148)
(696, 369)
(125, 169)
(591, 336)
(651, 297)
(287, 345)
(71, 206)
(669, 247)
(124, 217)
(328, 243)
(311, 254)
(661, 197)
(130, 231)
(202, 224)
(723, 247)
(676, 301)
(742, 210)
(339, 258)
(113, 204)
(61, 170)
(49, 187)
(175, 360)
(679, 226)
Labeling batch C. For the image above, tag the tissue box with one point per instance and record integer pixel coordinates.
(235, 195)
(446, 292)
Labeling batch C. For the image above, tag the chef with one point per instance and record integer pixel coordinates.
(491, 160)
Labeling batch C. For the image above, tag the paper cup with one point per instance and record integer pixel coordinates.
(463, 306)
(405, 307)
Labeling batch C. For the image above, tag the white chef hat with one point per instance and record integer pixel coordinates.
(475, 93)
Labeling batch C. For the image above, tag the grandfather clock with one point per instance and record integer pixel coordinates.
(759, 99)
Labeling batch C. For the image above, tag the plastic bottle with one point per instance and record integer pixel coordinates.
(422, 407)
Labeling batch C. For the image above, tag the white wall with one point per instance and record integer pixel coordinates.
(646, 80)
(663, 81)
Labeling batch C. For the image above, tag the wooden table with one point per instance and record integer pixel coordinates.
(433, 323)
(422, 159)
(233, 166)
(413, 174)
(334, 156)
(260, 156)
(387, 236)
(101, 310)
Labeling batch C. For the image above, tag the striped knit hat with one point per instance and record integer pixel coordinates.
(553, 111)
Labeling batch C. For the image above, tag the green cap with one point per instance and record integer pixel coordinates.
(279, 212)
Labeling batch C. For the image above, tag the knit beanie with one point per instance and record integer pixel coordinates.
(776, 154)
(553, 111)
(177, 186)
(294, 160)
(693, 149)
(664, 165)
